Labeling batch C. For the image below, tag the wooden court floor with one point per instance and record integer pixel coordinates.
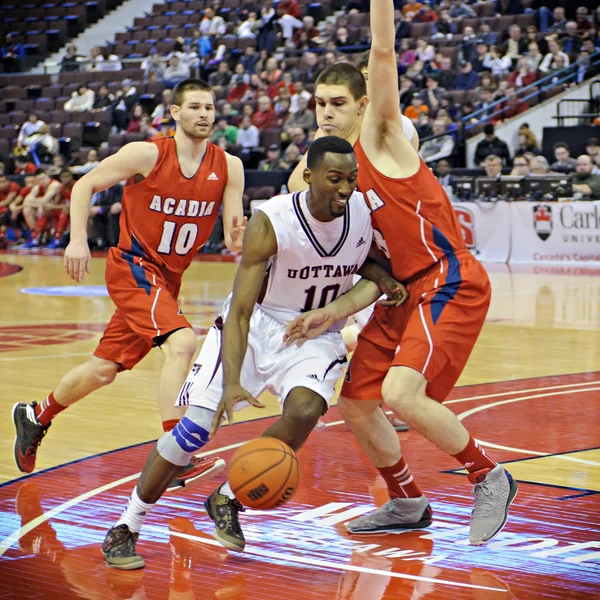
(531, 394)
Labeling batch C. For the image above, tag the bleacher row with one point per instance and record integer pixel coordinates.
(42, 27)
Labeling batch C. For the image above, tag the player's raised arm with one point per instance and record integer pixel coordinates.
(260, 244)
(234, 222)
(133, 159)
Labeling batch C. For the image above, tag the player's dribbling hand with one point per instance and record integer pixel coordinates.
(232, 394)
(396, 293)
(77, 259)
(307, 326)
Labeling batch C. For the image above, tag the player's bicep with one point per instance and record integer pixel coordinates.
(132, 159)
(260, 244)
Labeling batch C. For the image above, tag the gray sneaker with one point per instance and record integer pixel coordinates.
(494, 491)
(398, 513)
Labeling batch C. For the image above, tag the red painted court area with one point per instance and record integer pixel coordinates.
(52, 523)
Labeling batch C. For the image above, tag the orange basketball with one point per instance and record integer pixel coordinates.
(264, 473)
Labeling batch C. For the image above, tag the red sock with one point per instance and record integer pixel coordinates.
(48, 409)
(169, 425)
(63, 221)
(400, 481)
(40, 227)
(474, 458)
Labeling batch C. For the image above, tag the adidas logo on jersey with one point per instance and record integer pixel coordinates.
(313, 376)
(360, 242)
(213, 177)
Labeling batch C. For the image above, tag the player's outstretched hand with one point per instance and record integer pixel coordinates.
(77, 259)
(236, 233)
(396, 293)
(232, 394)
(307, 326)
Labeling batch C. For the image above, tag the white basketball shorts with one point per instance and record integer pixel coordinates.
(268, 365)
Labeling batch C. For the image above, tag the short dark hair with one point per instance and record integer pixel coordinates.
(329, 143)
(561, 145)
(189, 85)
(344, 74)
(41, 171)
(363, 60)
(66, 171)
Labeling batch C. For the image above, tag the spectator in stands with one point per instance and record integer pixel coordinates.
(291, 7)
(564, 163)
(487, 35)
(440, 146)
(522, 75)
(402, 25)
(585, 69)
(538, 165)
(23, 166)
(499, 64)
(532, 38)
(343, 38)
(212, 24)
(550, 62)
(559, 24)
(443, 170)
(492, 166)
(425, 51)
(300, 92)
(584, 181)
(249, 27)
(592, 148)
(423, 126)
(224, 129)
(126, 99)
(482, 56)
(104, 213)
(103, 100)
(202, 43)
(273, 160)
(446, 74)
(300, 138)
(287, 25)
(308, 32)
(520, 167)
(303, 118)
(534, 56)
(265, 116)
(247, 7)
(312, 70)
(266, 38)
(468, 44)
(426, 15)
(34, 136)
(583, 20)
(510, 7)
(513, 105)
(176, 72)
(249, 59)
(571, 40)
(411, 6)
(516, 44)
(91, 162)
(12, 55)
(163, 109)
(291, 158)
(461, 10)
(416, 108)
(109, 62)
(154, 67)
(58, 165)
(70, 61)
(432, 94)
(81, 101)
(135, 119)
(527, 142)
(491, 145)
(272, 73)
(248, 136)
(467, 79)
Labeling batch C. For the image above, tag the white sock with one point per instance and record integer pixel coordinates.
(135, 513)
(225, 489)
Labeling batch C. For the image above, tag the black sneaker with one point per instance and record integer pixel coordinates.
(119, 549)
(29, 435)
(224, 512)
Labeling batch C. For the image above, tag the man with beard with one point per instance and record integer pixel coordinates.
(175, 188)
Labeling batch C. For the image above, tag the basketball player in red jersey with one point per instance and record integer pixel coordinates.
(412, 356)
(9, 192)
(59, 211)
(176, 188)
(45, 192)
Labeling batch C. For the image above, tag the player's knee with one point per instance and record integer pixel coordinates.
(103, 372)
(181, 345)
(303, 410)
(189, 435)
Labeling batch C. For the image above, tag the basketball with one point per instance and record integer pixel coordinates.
(264, 473)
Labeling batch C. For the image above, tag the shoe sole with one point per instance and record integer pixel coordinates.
(16, 444)
(212, 472)
(132, 566)
(401, 428)
(514, 488)
(217, 532)
(423, 524)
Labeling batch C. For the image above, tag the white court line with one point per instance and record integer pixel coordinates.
(477, 409)
(314, 562)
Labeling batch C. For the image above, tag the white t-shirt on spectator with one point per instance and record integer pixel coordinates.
(248, 138)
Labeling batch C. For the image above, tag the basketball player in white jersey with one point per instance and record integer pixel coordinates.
(300, 251)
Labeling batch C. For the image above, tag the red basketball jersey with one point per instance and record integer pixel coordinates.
(167, 217)
(65, 191)
(10, 188)
(414, 223)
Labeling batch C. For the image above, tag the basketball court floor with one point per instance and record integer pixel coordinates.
(531, 395)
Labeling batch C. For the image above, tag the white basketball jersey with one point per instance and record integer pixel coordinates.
(315, 261)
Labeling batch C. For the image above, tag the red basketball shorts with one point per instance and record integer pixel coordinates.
(146, 301)
(433, 333)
